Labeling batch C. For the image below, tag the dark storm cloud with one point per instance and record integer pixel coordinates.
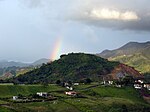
(114, 14)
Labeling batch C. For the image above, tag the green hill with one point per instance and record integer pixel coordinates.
(133, 54)
(138, 61)
(71, 67)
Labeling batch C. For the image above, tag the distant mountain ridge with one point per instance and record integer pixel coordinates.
(6, 64)
(128, 49)
(133, 54)
(41, 61)
(9, 69)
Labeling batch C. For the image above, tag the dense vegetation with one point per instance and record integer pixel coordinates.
(73, 67)
(133, 54)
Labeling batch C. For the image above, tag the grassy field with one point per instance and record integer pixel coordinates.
(97, 99)
(126, 93)
(13, 90)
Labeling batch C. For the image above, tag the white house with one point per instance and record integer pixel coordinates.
(119, 85)
(110, 82)
(76, 84)
(15, 97)
(139, 81)
(71, 93)
(147, 86)
(137, 86)
(70, 88)
(42, 94)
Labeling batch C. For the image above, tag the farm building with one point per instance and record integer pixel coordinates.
(71, 93)
(42, 94)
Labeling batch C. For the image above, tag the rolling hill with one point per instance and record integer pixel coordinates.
(74, 67)
(133, 54)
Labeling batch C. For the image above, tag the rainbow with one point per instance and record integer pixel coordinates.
(56, 49)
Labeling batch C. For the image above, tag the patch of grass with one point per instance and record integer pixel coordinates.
(3, 109)
(126, 93)
(13, 90)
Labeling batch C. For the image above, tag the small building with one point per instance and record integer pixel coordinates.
(76, 84)
(147, 86)
(139, 81)
(66, 84)
(110, 82)
(119, 85)
(107, 80)
(15, 97)
(70, 88)
(71, 93)
(42, 94)
(138, 86)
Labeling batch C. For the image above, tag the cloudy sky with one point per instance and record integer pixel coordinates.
(34, 29)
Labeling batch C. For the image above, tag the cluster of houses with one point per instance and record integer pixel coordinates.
(138, 83)
(70, 92)
(39, 95)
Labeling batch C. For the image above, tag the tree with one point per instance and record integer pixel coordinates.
(58, 82)
(88, 81)
(124, 108)
(128, 81)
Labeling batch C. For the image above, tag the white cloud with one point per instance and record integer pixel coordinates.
(105, 13)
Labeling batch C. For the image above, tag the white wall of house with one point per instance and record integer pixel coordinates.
(41, 93)
(15, 97)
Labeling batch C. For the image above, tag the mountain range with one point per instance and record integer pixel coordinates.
(5, 64)
(133, 54)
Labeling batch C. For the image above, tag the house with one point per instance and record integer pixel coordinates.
(147, 86)
(76, 84)
(138, 83)
(119, 85)
(71, 93)
(110, 82)
(107, 80)
(66, 84)
(139, 80)
(138, 86)
(15, 97)
(70, 88)
(42, 94)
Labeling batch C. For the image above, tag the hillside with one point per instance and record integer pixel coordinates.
(11, 69)
(133, 54)
(74, 67)
(10, 72)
